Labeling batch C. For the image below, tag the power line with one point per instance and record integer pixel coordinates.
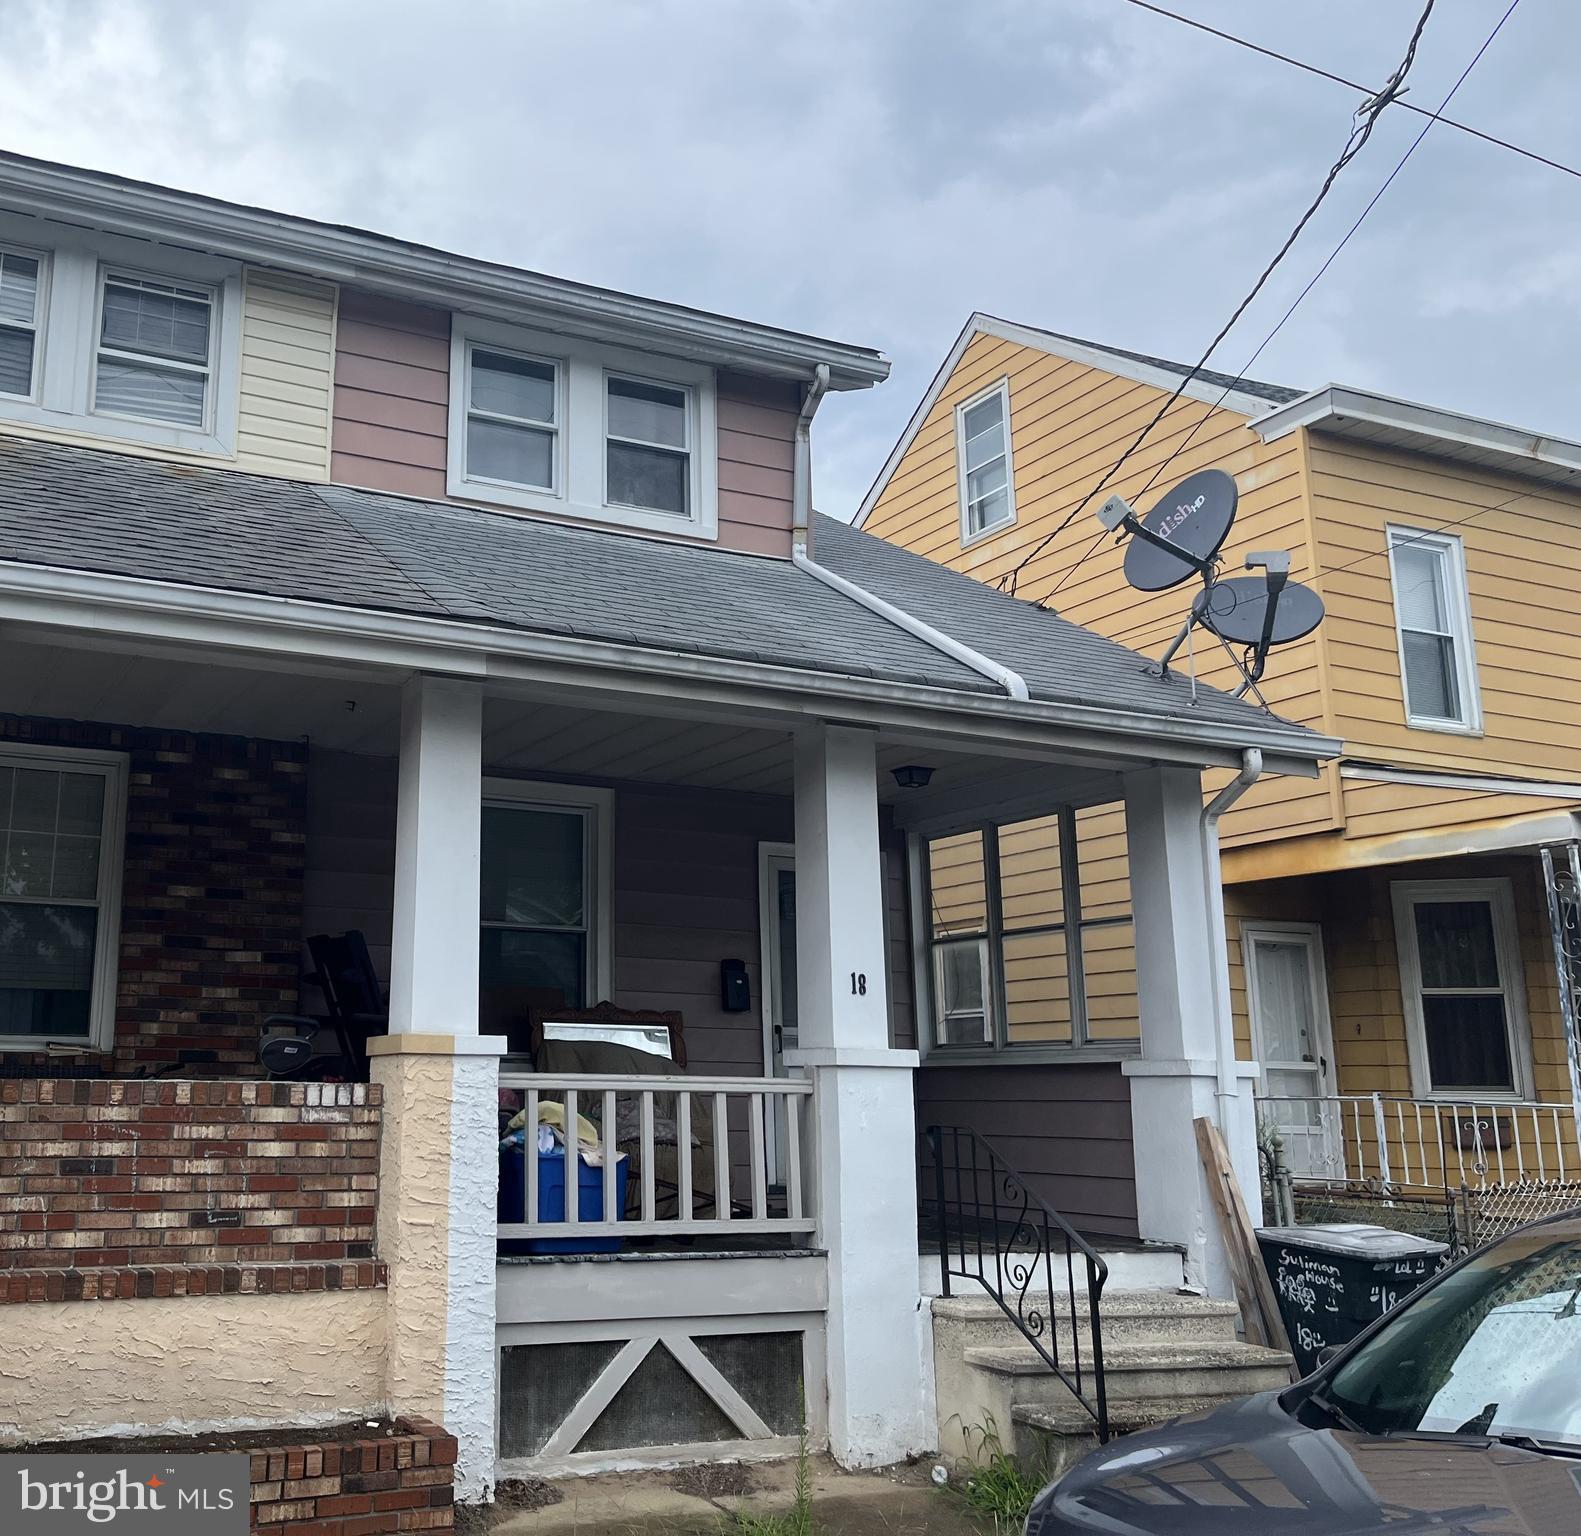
(1432, 117)
(1363, 123)
(1354, 85)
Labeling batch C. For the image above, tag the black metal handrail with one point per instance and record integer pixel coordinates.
(993, 1229)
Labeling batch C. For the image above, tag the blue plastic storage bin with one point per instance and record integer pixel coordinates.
(551, 1200)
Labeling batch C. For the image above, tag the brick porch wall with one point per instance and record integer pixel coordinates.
(211, 899)
(101, 1175)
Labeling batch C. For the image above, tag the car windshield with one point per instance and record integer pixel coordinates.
(1492, 1349)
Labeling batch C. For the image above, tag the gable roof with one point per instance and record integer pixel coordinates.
(1248, 396)
(407, 269)
(88, 510)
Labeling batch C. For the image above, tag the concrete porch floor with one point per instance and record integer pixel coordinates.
(887, 1502)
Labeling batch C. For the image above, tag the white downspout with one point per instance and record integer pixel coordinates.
(801, 461)
(1213, 899)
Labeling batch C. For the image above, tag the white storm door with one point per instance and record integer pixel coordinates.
(1288, 998)
(777, 925)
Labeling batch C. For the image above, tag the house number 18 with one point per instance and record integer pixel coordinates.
(858, 983)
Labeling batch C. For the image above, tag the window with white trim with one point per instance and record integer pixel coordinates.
(61, 815)
(1462, 989)
(545, 898)
(155, 350)
(648, 444)
(21, 310)
(1432, 610)
(985, 477)
(513, 418)
(1029, 934)
(119, 340)
(552, 423)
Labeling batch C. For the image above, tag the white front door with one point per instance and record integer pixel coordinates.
(777, 925)
(1287, 995)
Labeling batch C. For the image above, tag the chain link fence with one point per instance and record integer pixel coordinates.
(1486, 1214)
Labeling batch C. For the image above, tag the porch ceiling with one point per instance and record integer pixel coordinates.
(340, 711)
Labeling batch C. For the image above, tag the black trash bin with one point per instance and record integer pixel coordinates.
(1334, 1280)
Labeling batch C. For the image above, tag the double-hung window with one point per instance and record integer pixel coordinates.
(155, 356)
(648, 446)
(985, 475)
(1433, 616)
(61, 815)
(21, 308)
(513, 419)
(1028, 933)
(545, 898)
(1461, 983)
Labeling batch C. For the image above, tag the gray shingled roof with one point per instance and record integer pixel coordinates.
(86, 509)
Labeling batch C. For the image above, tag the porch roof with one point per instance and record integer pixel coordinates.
(81, 509)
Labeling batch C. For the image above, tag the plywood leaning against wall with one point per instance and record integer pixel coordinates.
(287, 376)
(1070, 422)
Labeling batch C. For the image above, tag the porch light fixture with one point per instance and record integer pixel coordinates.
(913, 776)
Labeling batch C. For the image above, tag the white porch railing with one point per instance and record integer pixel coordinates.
(1429, 1144)
(699, 1154)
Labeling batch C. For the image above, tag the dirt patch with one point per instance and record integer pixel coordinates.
(514, 1496)
(237, 1440)
(714, 1481)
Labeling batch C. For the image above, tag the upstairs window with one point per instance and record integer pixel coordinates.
(1433, 618)
(648, 446)
(155, 350)
(21, 287)
(513, 416)
(982, 440)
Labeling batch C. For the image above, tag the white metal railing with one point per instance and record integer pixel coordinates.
(1423, 1143)
(677, 1135)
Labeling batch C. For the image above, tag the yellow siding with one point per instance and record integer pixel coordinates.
(287, 377)
(1069, 423)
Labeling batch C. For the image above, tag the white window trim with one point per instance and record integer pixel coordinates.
(107, 899)
(1457, 601)
(599, 872)
(40, 318)
(557, 427)
(111, 272)
(67, 359)
(968, 537)
(580, 492)
(1500, 896)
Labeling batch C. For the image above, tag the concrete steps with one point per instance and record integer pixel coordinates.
(1165, 1353)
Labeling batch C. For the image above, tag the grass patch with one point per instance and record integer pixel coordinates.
(796, 1521)
(991, 1482)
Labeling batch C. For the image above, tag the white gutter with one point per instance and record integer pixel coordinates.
(387, 264)
(1213, 904)
(1477, 783)
(801, 463)
(1012, 682)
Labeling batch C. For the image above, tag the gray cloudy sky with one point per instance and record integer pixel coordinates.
(876, 169)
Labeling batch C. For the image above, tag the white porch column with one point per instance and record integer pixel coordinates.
(866, 1153)
(1182, 982)
(440, 1080)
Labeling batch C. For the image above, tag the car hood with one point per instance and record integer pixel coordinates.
(1252, 1470)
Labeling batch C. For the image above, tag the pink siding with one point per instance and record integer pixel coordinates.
(392, 389)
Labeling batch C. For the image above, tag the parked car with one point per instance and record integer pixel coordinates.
(1458, 1411)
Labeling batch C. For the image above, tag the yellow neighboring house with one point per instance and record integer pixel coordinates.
(1393, 962)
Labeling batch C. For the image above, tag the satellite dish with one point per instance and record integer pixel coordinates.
(1238, 606)
(1194, 518)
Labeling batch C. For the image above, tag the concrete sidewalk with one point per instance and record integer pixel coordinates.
(697, 1502)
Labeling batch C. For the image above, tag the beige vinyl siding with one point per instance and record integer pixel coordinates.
(287, 376)
(1069, 424)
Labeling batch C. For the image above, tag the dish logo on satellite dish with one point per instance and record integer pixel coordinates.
(134, 1496)
(1182, 513)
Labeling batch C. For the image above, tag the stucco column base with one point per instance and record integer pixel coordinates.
(867, 1194)
(1173, 1203)
(438, 1172)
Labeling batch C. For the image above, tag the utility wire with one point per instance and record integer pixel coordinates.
(1432, 117)
(1363, 123)
(1354, 85)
